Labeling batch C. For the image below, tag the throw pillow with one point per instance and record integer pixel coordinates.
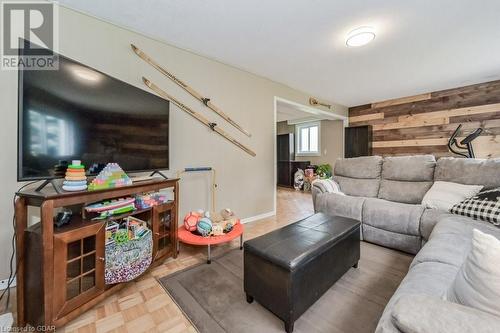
(477, 283)
(484, 206)
(327, 186)
(444, 195)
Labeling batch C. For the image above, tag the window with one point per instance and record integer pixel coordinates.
(308, 139)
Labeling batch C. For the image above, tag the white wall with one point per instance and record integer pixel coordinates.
(246, 184)
(332, 143)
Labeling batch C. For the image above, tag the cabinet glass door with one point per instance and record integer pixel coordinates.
(162, 227)
(79, 266)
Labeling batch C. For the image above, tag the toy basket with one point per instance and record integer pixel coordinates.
(125, 262)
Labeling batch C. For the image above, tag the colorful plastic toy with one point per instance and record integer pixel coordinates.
(75, 179)
(144, 201)
(110, 177)
(204, 226)
(108, 205)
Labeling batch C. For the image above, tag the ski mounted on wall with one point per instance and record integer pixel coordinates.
(191, 91)
(198, 116)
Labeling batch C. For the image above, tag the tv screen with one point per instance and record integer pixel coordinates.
(77, 112)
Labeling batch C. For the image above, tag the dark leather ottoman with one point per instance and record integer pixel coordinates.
(288, 269)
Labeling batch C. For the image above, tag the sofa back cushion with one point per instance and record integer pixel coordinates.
(469, 171)
(359, 176)
(406, 179)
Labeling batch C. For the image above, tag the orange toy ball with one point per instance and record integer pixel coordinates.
(190, 221)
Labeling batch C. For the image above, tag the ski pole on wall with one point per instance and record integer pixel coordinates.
(194, 93)
(198, 116)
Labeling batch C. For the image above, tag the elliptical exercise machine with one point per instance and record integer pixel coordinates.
(465, 145)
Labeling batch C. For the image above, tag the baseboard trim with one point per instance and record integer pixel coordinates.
(258, 217)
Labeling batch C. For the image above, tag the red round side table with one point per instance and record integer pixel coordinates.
(188, 237)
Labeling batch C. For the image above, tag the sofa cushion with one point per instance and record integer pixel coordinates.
(428, 221)
(484, 206)
(407, 243)
(403, 191)
(406, 179)
(469, 171)
(460, 224)
(366, 167)
(419, 168)
(450, 240)
(411, 313)
(477, 283)
(392, 216)
(358, 187)
(428, 278)
(336, 204)
(444, 195)
(444, 248)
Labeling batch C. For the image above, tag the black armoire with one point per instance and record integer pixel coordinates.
(358, 141)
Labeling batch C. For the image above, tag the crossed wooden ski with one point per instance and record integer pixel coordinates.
(183, 85)
(198, 116)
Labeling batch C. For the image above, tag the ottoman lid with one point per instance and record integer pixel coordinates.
(301, 241)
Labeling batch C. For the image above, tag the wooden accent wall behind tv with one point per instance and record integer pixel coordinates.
(422, 124)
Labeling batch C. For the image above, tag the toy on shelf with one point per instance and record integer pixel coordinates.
(110, 177)
(111, 229)
(149, 200)
(106, 209)
(136, 228)
(75, 179)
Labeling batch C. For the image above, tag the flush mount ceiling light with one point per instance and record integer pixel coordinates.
(360, 37)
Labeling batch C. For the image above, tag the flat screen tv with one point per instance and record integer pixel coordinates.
(77, 112)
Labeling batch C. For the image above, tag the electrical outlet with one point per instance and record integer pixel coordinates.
(5, 283)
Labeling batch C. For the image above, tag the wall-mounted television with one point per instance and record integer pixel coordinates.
(77, 112)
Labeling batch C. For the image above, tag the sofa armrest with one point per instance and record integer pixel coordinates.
(321, 186)
(425, 314)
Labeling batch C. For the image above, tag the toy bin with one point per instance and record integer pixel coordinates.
(126, 261)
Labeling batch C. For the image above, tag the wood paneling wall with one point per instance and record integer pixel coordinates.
(423, 123)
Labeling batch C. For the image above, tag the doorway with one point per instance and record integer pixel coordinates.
(304, 136)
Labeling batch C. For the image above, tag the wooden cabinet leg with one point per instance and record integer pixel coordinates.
(21, 211)
(47, 215)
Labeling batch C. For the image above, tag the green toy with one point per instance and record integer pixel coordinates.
(121, 236)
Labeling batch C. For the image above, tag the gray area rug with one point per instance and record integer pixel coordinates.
(212, 297)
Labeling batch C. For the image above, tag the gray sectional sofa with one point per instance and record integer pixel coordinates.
(385, 195)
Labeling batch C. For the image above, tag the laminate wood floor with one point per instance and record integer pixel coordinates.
(143, 306)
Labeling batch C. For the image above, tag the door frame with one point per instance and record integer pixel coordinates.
(308, 109)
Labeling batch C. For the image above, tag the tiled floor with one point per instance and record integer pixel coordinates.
(143, 306)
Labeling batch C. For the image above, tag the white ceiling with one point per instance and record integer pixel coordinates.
(421, 45)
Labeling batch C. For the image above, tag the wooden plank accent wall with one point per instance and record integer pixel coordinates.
(423, 123)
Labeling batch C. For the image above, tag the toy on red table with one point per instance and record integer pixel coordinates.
(191, 220)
